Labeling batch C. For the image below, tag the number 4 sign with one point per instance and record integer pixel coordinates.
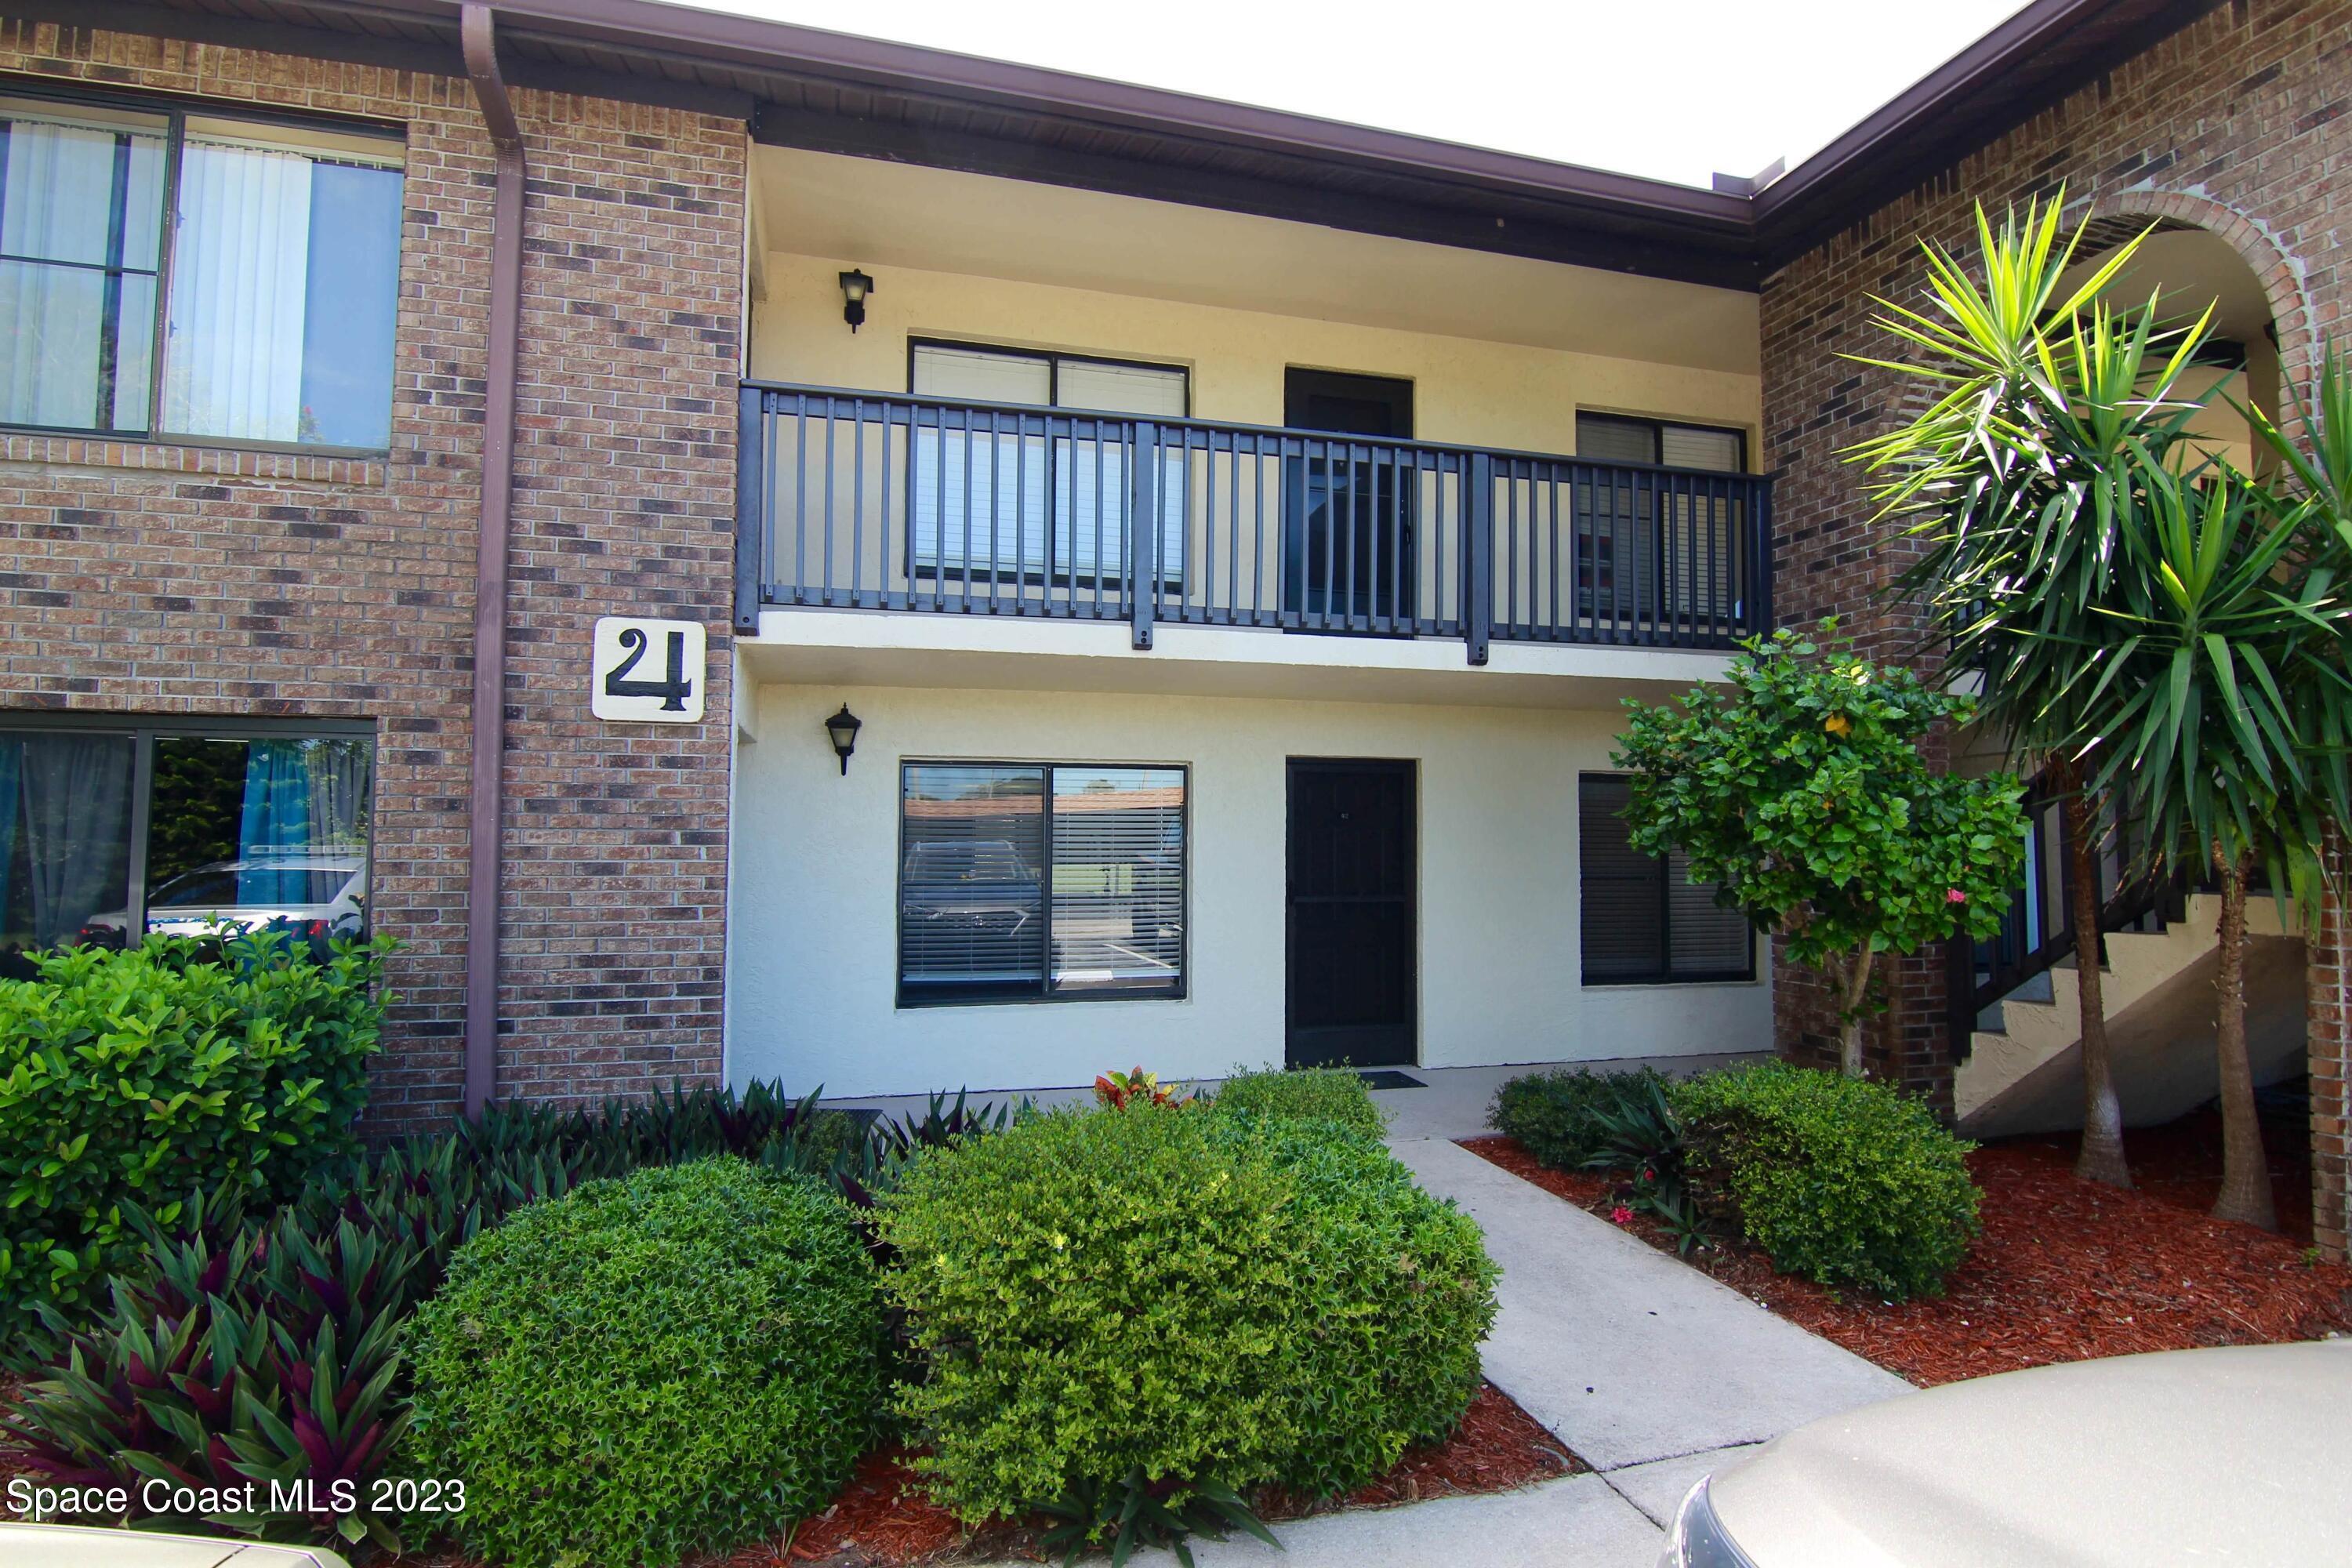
(647, 672)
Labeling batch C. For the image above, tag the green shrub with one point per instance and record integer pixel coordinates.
(1563, 1117)
(1398, 1293)
(681, 1360)
(1324, 1094)
(1179, 1296)
(1845, 1182)
(141, 1077)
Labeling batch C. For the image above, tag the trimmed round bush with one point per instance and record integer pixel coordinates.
(1324, 1094)
(1845, 1182)
(1189, 1295)
(681, 1359)
(1399, 1292)
(1556, 1115)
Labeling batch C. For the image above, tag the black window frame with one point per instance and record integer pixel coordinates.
(1668, 976)
(1658, 425)
(176, 110)
(1000, 994)
(1051, 574)
(144, 730)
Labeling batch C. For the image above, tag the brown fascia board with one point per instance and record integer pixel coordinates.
(2033, 60)
(671, 53)
(762, 45)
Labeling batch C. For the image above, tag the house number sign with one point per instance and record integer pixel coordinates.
(647, 672)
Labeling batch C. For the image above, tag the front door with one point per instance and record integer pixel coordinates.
(1350, 937)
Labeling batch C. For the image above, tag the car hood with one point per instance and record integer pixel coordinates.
(2232, 1456)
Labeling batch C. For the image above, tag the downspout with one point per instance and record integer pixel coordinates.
(476, 32)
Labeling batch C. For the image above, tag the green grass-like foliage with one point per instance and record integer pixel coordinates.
(1562, 1116)
(1844, 1182)
(141, 1077)
(1337, 1095)
(681, 1360)
(1179, 1295)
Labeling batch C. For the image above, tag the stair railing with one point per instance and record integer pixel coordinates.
(2037, 931)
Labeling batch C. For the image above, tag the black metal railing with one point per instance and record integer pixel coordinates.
(882, 501)
(2136, 893)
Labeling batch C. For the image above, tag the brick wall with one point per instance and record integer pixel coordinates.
(156, 578)
(2237, 125)
(2328, 986)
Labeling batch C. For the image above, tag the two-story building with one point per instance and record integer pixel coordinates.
(1232, 534)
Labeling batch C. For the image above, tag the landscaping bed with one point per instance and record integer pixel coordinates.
(2065, 1270)
(883, 1520)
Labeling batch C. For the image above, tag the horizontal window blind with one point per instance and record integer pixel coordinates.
(1021, 880)
(1620, 889)
(1004, 499)
(971, 913)
(1119, 877)
(1642, 918)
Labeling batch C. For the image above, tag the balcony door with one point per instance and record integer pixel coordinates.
(1348, 549)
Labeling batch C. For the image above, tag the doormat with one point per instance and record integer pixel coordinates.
(1388, 1078)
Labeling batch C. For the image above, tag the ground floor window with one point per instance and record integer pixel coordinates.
(1644, 922)
(1025, 880)
(187, 827)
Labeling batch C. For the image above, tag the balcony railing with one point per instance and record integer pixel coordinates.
(881, 501)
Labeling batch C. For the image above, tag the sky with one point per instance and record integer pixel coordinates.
(1675, 90)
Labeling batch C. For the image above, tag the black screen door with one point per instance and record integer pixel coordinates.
(1351, 990)
(1348, 551)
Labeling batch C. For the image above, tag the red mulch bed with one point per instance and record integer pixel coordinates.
(2066, 1271)
(882, 1520)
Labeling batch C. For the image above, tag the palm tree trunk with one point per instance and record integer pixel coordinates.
(2245, 1172)
(2102, 1156)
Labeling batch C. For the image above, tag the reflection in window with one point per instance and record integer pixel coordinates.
(65, 841)
(241, 835)
(284, 267)
(1018, 881)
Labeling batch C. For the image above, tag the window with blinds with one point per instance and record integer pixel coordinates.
(1695, 545)
(1644, 922)
(1009, 498)
(1024, 881)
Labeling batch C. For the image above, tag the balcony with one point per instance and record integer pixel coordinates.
(861, 500)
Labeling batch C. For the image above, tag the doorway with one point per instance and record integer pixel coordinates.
(1351, 989)
(1347, 550)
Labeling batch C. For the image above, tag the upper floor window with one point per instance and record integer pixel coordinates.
(1620, 438)
(182, 274)
(1007, 495)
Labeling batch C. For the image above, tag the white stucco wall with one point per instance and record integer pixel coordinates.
(812, 979)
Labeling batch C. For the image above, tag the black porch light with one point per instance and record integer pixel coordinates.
(854, 287)
(843, 728)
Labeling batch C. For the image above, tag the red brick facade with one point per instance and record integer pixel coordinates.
(168, 579)
(2237, 125)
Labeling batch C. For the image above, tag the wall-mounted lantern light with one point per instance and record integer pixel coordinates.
(843, 728)
(854, 287)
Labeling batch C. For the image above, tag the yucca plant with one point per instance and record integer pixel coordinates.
(2227, 666)
(2019, 473)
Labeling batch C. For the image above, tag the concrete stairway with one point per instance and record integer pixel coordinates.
(2026, 1076)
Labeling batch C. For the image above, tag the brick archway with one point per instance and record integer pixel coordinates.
(2124, 214)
